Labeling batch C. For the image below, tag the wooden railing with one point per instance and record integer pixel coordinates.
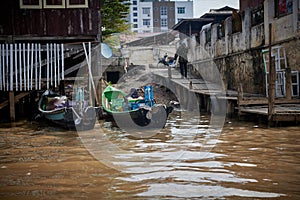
(22, 66)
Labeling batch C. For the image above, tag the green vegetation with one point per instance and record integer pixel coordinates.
(113, 16)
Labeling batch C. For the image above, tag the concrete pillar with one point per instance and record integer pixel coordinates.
(269, 13)
(192, 49)
(214, 38)
(228, 33)
(169, 72)
(246, 23)
(204, 53)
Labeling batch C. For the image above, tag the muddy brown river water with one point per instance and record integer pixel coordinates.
(185, 160)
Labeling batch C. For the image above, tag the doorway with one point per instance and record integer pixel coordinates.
(113, 77)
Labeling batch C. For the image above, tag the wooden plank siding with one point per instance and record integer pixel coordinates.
(61, 23)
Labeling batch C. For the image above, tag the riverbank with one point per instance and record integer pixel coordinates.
(191, 94)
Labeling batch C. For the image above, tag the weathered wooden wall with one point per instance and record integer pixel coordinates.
(49, 22)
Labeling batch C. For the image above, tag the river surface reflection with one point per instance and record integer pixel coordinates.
(185, 160)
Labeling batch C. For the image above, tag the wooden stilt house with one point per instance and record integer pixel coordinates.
(39, 41)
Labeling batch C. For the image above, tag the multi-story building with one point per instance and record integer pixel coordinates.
(158, 16)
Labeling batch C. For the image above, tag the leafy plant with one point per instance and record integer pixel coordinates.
(114, 16)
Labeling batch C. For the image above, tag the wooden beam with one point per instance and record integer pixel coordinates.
(264, 101)
(286, 117)
(17, 98)
(272, 79)
(4, 104)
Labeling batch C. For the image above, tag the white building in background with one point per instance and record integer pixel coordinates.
(149, 16)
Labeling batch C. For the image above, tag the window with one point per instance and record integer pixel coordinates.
(146, 11)
(135, 14)
(135, 20)
(164, 23)
(283, 7)
(54, 4)
(257, 16)
(181, 10)
(135, 26)
(77, 4)
(134, 8)
(39, 4)
(208, 36)
(236, 22)
(134, 2)
(31, 4)
(220, 30)
(146, 22)
(163, 10)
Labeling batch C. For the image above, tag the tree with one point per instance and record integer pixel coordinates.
(113, 16)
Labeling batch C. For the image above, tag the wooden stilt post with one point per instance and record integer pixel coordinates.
(99, 73)
(272, 79)
(240, 98)
(99, 90)
(12, 110)
(240, 88)
(99, 65)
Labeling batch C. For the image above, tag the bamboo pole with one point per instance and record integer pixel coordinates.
(58, 63)
(91, 80)
(90, 72)
(6, 69)
(40, 67)
(24, 65)
(51, 64)
(47, 71)
(36, 65)
(99, 74)
(1, 67)
(31, 65)
(16, 66)
(20, 67)
(55, 64)
(11, 67)
(28, 65)
(62, 62)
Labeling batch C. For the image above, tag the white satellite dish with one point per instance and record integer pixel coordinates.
(106, 50)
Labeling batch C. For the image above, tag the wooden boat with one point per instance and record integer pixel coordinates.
(61, 111)
(129, 110)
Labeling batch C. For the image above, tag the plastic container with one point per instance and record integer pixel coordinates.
(148, 94)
